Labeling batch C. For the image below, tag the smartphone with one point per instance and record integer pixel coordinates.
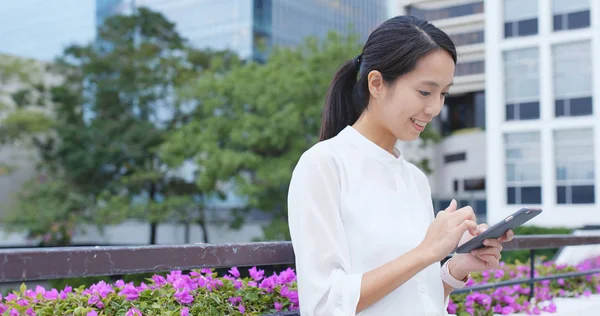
(513, 221)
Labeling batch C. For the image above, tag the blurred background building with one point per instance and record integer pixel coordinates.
(40, 30)
(521, 126)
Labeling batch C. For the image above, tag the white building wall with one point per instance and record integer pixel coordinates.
(572, 215)
(473, 143)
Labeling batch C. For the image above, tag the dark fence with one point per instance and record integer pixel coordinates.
(69, 262)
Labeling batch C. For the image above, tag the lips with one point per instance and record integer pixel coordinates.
(418, 124)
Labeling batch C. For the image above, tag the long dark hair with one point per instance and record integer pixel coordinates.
(394, 49)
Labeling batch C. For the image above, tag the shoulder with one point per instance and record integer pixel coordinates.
(322, 155)
(419, 176)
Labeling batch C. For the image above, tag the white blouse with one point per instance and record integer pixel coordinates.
(353, 207)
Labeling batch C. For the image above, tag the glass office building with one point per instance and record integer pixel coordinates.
(252, 27)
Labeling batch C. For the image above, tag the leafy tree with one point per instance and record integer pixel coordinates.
(114, 108)
(24, 103)
(252, 124)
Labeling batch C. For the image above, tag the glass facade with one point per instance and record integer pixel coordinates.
(294, 20)
(41, 29)
(570, 15)
(252, 27)
(215, 24)
(445, 12)
(463, 112)
(523, 168)
(520, 18)
(572, 78)
(574, 159)
(522, 84)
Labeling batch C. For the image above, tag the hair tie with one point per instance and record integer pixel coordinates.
(357, 61)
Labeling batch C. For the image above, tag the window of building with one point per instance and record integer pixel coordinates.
(574, 158)
(468, 38)
(463, 111)
(572, 76)
(520, 18)
(523, 168)
(455, 157)
(431, 14)
(474, 184)
(570, 14)
(470, 68)
(521, 84)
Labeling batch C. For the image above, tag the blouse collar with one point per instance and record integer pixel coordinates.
(355, 138)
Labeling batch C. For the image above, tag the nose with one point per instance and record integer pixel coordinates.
(434, 108)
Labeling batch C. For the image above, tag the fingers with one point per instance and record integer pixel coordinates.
(487, 253)
(469, 225)
(452, 206)
(491, 261)
(508, 236)
(466, 213)
(495, 243)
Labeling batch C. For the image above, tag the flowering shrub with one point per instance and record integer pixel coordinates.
(197, 293)
(203, 292)
(515, 298)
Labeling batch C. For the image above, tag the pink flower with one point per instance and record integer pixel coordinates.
(159, 280)
(235, 300)
(30, 312)
(206, 271)
(95, 300)
(134, 312)
(237, 284)
(92, 313)
(185, 311)
(242, 309)
(51, 295)
(234, 272)
(130, 292)
(257, 275)
(278, 306)
(183, 296)
(452, 307)
(23, 302)
(11, 297)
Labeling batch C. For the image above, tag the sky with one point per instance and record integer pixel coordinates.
(41, 29)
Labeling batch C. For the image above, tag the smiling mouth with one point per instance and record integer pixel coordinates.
(419, 123)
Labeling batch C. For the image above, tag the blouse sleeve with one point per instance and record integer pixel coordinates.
(325, 284)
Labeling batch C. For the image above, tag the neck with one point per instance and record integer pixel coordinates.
(368, 127)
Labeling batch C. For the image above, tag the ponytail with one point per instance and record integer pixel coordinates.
(341, 108)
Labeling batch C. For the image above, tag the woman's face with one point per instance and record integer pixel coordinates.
(407, 105)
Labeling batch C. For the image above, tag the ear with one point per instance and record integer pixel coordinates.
(375, 83)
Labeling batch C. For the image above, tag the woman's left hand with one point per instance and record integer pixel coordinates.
(480, 259)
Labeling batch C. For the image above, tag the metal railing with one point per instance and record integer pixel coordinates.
(33, 264)
(533, 243)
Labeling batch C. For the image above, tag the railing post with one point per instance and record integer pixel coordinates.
(531, 273)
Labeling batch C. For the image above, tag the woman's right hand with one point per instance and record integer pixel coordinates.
(447, 229)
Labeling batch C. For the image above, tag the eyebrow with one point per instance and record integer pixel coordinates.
(434, 83)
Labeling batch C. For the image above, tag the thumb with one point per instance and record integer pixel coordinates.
(452, 206)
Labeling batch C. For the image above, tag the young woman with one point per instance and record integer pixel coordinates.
(360, 216)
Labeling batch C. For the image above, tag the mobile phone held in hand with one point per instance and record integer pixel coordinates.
(513, 221)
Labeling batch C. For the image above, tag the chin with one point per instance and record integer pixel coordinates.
(408, 137)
